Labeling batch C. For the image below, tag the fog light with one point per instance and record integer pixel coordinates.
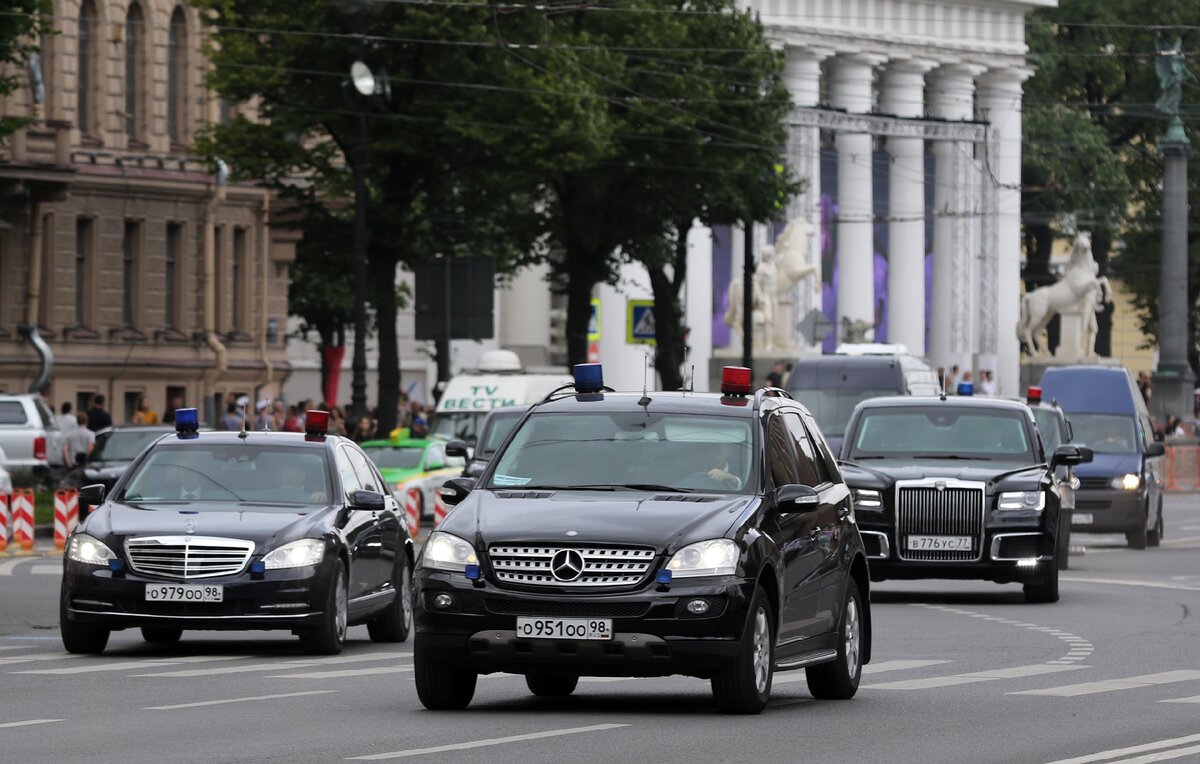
(443, 601)
(698, 607)
(1028, 563)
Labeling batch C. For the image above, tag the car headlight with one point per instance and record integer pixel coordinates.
(718, 557)
(1028, 500)
(867, 498)
(1128, 482)
(445, 551)
(295, 554)
(88, 550)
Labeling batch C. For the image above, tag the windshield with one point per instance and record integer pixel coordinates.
(403, 458)
(501, 425)
(1105, 433)
(673, 452)
(123, 445)
(832, 408)
(1049, 427)
(231, 473)
(458, 425)
(942, 432)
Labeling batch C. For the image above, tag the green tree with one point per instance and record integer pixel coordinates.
(21, 26)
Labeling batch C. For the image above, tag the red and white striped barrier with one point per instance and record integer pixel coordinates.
(22, 518)
(439, 507)
(412, 510)
(66, 515)
(4, 521)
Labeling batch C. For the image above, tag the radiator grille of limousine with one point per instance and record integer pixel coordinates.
(941, 508)
(188, 557)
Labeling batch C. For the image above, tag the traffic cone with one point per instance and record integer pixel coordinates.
(22, 518)
(412, 510)
(439, 508)
(4, 521)
(66, 515)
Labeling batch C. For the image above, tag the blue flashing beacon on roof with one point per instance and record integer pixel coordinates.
(589, 378)
(187, 424)
(966, 388)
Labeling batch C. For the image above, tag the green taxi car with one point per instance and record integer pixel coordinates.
(414, 463)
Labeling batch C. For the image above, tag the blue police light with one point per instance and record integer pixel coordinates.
(966, 388)
(187, 422)
(116, 566)
(258, 566)
(589, 378)
(663, 577)
(472, 572)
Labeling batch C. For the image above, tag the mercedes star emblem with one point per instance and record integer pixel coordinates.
(189, 525)
(572, 533)
(567, 565)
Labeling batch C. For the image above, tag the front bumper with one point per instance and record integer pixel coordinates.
(1111, 510)
(276, 599)
(1008, 556)
(653, 635)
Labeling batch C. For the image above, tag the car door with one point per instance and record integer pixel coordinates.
(360, 530)
(795, 533)
(384, 538)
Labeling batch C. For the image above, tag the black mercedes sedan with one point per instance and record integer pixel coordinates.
(258, 530)
(957, 487)
(646, 535)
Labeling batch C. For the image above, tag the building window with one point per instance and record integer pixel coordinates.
(83, 256)
(170, 277)
(177, 78)
(240, 276)
(134, 59)
(130, 256)
(46, 306)
(86, 67)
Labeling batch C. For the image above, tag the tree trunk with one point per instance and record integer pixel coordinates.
(383, 273)
(1101, 247)
(670, 345)
(579, 314)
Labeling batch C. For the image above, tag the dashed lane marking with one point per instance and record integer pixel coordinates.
(1126, 582)
(488, 742)
(96, 667)
(29, 723)
(870, 668)
(286, 665)
(237, 700)
(1117, 753)
(1193, 699)
(1014, 672)
(1114, 685)
(345, 672)
(1080, 648)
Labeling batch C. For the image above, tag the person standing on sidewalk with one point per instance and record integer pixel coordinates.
(78, 444)
(97, 418)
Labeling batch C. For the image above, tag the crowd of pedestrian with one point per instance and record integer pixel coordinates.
(950, 380)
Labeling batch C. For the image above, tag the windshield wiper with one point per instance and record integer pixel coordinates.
(581, 487)
(655, 487)
(952, 457)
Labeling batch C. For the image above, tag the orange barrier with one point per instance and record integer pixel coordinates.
(439, 508)
(1181, 468)
(4, 521)
(66, 515)
(22, 518)
(412, 510)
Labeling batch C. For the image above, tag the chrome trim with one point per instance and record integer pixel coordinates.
(996, 547)
(806, 660)
(885, 546)
(932, 518)
(248, 617)
(532, 565)
(372, 596)
(185, 558)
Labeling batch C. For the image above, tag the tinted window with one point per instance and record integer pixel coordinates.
(457, 425)
(366, 476)
(809, 461)
(1050, 428)
(781, 454)
(623, 448)
(498, 429)
(942, 432)
(1105, 433)
(123, 445)
(12, 412)
(232, 475)
(347, 473)
(404, 457)
(832, 408)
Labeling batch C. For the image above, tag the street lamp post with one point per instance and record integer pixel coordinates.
(364, 84)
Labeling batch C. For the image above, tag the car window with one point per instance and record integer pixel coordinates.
(230, 476)
(12, 412)
(498, 429)
(1050, 428)
(435, 457)
(366, 476)
(45, 413)
(808, 461)
(827, 457)
(943, 431)
(781, 453)
(346, 471)
(402, 457)
(123, 445)
(1106, 433)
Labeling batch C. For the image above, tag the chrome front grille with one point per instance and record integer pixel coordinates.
(531, 565)
(187, 557)
(939, 508)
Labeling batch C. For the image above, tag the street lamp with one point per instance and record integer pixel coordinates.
(365, 85)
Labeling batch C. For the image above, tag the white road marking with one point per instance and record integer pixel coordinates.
(46, 570)
(28, 657)
(1124, 582)
(1193, 699)
(95, 667)
(28, 723)
(1014, 672)
(488, 742)
(345, 672)
(236, 700)
(1119, 752)
(285, 665)
(17, 647)
(1178, 753)
(8, 566)
(879, 668)
(1113, 685)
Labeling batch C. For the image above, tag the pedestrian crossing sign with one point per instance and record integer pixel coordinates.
(594, 321)
(639, 322)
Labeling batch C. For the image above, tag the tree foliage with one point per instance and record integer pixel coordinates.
(21, 26)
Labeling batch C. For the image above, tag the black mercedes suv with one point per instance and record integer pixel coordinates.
(645, 535)
(957, 487)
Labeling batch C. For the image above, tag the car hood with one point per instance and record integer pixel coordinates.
(115, 519)
(1107, 465)
(882, 475)
(665, 521)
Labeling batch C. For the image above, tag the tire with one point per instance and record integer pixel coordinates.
(440, 686)
(80, 638)
(1045, 588)
(395, 623)
(1063, 551)
(838, 680)
(1136, 538)
(330, 636)
(161, 636)
(1155, 536)
(551, 685)
(743, 685)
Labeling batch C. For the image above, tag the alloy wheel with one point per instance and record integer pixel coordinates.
(341, 605)
(762, 650)
(852, 636)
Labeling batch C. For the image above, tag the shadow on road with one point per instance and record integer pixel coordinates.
(999, 597)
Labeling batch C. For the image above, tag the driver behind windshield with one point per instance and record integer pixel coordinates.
(724, 457)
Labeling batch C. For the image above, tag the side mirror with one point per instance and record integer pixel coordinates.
(454, 490)
(367, 501)
(1068, 455)
(1155, 448)
(796, 498)
(456, 448)
(92, 494)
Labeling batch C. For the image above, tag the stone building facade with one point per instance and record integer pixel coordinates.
(140, 268)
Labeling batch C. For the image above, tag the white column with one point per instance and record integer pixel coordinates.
(1000, 105)
(903, 94)
(802, 76)
(850, 89)
(951, 91)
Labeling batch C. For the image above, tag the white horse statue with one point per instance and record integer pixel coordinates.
(1080, 290)
(781, 267)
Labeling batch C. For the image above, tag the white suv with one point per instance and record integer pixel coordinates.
(29, 437)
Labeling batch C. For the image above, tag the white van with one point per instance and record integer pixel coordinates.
(499, 381)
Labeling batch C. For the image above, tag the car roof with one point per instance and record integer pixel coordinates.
(256, 438)
(678, 402)
(1091, 389)
(398, 443)
(971, 401)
